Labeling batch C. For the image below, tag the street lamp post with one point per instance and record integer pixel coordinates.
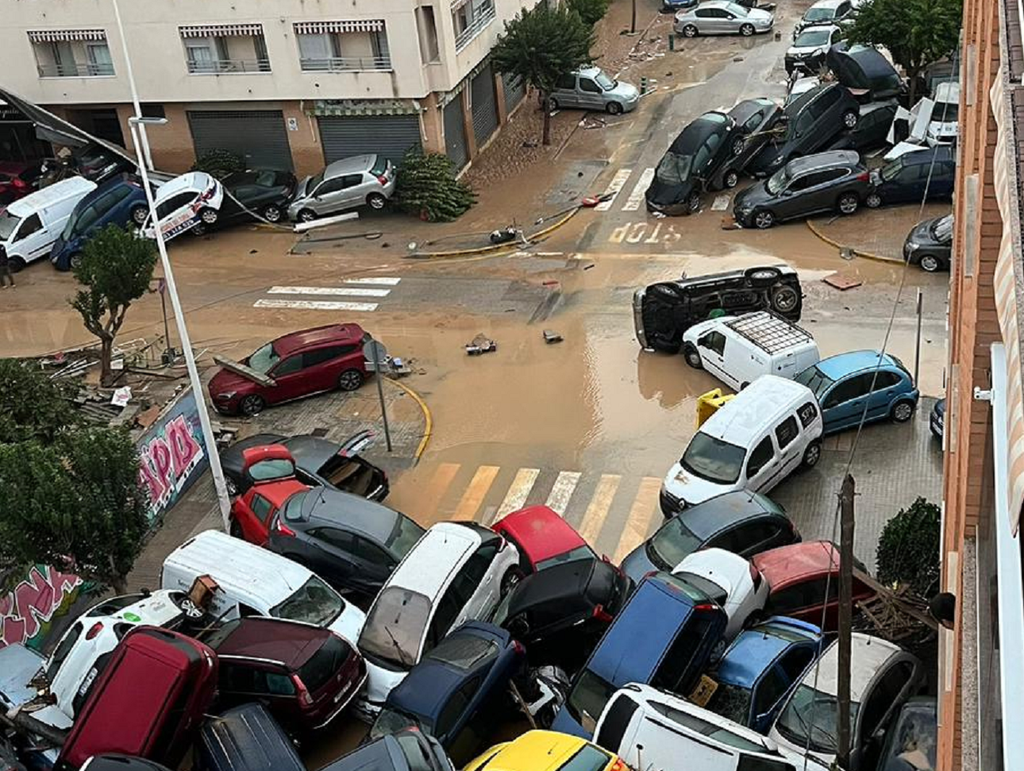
(137, 125)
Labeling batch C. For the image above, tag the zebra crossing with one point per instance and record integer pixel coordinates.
(634, 201)
(362, 295)
(613, 512)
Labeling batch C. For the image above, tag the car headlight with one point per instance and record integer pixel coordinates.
(912, 246)
(227, 395)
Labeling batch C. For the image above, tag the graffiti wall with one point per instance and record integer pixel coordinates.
(172, 454)
(32, 610)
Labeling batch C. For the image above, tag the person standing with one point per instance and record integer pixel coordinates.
(5, 269)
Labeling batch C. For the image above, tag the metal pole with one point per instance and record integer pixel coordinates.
(632, 23)
(380, 393)
(845, 618)
(917, 345)
(168, 348)
(223, 499)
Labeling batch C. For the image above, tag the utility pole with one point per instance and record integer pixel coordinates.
(632, 23)
(845, 618)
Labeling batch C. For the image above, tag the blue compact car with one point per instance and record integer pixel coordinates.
(847, 383)
(119, 201)
(761, 667)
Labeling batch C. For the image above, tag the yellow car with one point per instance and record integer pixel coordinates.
(547, 751)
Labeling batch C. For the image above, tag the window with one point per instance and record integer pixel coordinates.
(448, 610)
(66, 644)
(756, 533)
(676, 670)
(456, 706)
(760, 457)
(589, 758)
(885, 380)
(351, 180)
(325, 663)
(29, 225)
(753, 122)
(319, 356)
(566, 83)
(846, 390)
(750, 763)
(172, 204)
(370, 551)
(789, 599)
(586, 84)
(464, 651)
(884, 697)
(330, 186)
(289, 366)
(615, 722)
(714, 341)
(718, 733)
(800, 183)
(808, 412)
(786, 432)
(99, 59)
(771, 688)
(339, 539)
(704, 13)
(262, 508)
(796, 661)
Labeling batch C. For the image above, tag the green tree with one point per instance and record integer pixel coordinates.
(219, 163)
(541, 44)
(115, 270)
(916, 32)
(427, 187)
(32, 406)
(591, 11)
(908, 551)
(76, 504)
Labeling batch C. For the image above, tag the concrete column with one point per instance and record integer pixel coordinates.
(467, 119)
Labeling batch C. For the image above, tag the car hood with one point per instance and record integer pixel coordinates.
(690, 488)
(664, 194)
(759, 15)
(799, 51)
(754, 195)
(637, 564)
(226, 380)
(626, 91)
(922, 233)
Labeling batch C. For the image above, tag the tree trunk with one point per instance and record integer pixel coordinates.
(106, 353)
(546, 106)
(119, 584)
(912, 73)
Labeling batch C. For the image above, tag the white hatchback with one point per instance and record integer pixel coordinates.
(731, 581)
(189, 202)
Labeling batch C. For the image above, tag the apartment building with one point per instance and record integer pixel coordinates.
(284, 83)
(981, 661)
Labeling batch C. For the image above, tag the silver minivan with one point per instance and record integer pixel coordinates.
(591, 89)
(361, 180)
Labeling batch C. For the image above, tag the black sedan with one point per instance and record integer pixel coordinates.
(756, 121)
(930, 244)
(263, 191)
(689, 164)
(937, 420)
(352, 543)
(318, 462)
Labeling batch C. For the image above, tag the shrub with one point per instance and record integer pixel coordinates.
(591, 11)
(427, 187)
(908, 551)
(219, 163)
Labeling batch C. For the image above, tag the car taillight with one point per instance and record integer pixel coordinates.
(705, 606)
(283, 529)
(19, 183)
(382, 178)
(300, 688)
(518, 648)
(94, 630)
(602, 615)
(864, 177)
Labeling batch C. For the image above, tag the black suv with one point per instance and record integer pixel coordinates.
(663, 311)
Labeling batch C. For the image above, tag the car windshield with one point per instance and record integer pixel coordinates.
(394, 629)
(942, 230)
(264, 359)
(731, 701)
(946, 112)
(809, 719)
(8, 224)
(314, 183)
(713, 459)
(404, 536)
(812, 38)
(818, 14)
(314, 603)
(674, 169)
(293, 506)
(574, 555)
(815, 379)
(737, 10)
(588, 697)
(777, 181)
(391, 721)
(325, 663)
(890, 171)
(72, 223)
(605, 82)
(673, 543)
(707, 586)
(588, 758)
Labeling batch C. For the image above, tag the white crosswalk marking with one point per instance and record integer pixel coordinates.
(375, 280)
(515, 498)
(637, 196)
(617, 183)
(341, 291)
(316, 305)
(562, 490)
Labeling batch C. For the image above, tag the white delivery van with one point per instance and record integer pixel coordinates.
(752, 442)
(739, 349)
(252, 581)
(30, 225)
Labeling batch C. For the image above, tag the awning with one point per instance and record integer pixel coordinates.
(344, 107)
(221, 30)
(324, 27)
(66, 35)
(457, 4)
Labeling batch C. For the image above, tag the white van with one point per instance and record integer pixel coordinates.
(30, 225)
(456, 572)
(752, 442)
(651, 729)
(739, 349)
(255, 582)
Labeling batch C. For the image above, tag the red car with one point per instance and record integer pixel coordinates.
(148, 701)
(270, 472)
(299, 364)
(303, 674)
(543, 538)
(797, 576)
(17, 180)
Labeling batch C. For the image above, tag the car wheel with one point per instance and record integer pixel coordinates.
(376, 201)
(785, 299)
(139, 214)
(738, 144)
(232, 488)
(75, 260)
(689, 31)
(812, 454)
(199, 230)
(614, 108)
(902, 411)
(307, 215)
(209, 216)
(16, 264)
(763, 276)
(873, 201)
(350, 380)
(188, 608)
(731, 179)
(552, 104)
(744, 384)
(930, 263)
(272, 213)
(236, 529)
(692, 356)
(850, 119)
(508, 581)
(252, 405)
(747, 30)
(764, 219)
(848, 203)
(693, 203)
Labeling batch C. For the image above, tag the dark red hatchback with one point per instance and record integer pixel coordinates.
(304, 674)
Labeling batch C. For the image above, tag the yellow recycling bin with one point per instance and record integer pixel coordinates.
(708, 404)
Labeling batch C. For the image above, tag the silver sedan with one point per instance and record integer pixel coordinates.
(721, 17)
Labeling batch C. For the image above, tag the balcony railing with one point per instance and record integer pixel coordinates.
(75, 70)
(486, 16)
(228, 66)
(346, 63)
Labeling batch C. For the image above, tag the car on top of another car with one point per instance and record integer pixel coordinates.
(544, 539)
(693, 157)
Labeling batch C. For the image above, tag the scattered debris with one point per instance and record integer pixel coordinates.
(481, 344)
(588, 267)
(721, 203)
(737, 58)
(730, 223)
(509, 233)
(121, 396)
(590, 122)
(847, 253)
(842, 281)
(254, 251)
(533, 142)
(551, 337)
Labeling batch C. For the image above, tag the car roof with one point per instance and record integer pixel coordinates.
(742, 111)
(715, 4)
(918, 157)
(818, 28)
(717, 565)
(191, 181)
(566, 580)
(947, 91)
(352, 512)
(868, 655)
(541, 532)
(766, 400)
(753, 651)
(306, 338)
(289, 642)
(536, 751)
(828, 3)
(843, 364)
(55, 193)
(590, 70)
(434, 558)
(715, 514)
(349, 165)
(819, 161)
(785, 565)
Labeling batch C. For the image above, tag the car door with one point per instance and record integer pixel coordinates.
(712, 353)
(565, 90)
(790, 448)
(253, 513)
(317, 372)
(343, 357)
(762, 465)
(289, 380)
(790, 201)
(591, 95)
(907, 185)
(884, 390)
(706, 20)
(827, 112)
(477, 573)
(822, 193)
(460, 727)
(333, 550)
(354, 189)
(843, 404)
(730, 22)
(877, 711)
(776, 682)
(32, 240)
(329, 197)
(373, 564)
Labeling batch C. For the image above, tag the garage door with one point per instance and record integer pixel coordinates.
(258, 136)
(387, 135)
(515, 90)
(455, 133)
(485, 107)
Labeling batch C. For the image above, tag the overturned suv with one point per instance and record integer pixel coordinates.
(663, 311)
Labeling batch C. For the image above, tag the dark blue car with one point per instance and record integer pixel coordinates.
(861, 384)
(663, 637)
(761, 667)
(457, 691)
(120, 201)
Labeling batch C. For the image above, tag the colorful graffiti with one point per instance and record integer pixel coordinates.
(28, 612)
(172, 454)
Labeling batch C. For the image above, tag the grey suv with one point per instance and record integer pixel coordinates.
(346, 184)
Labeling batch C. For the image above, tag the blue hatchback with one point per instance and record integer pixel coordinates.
(761, 667)
(859, 384)
(120, 201)
(662, 637)
(457, 691)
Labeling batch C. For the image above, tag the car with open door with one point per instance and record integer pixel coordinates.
(686, 168)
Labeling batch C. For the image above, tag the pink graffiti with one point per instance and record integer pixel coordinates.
(166, 460)
(31, 606)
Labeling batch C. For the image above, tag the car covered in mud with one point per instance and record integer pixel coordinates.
(662, 312)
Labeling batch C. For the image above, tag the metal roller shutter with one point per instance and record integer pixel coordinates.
(387, 135)
(515, 90)
(485, 107)
(258, 136)
(455, 133)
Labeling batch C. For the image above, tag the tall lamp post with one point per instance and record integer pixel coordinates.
(137, 125)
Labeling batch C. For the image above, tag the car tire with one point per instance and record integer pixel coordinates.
(75, 260)
(198, 230)
(902, 411)
(508, 581)
(614, 108)
(690, 31)
(744, 384)
(848, 204)
(252, 405)
(763, 219)
(738, 144)
(236, 529)
(16, 264)
(873, 200)
(232, 488)
(731, 179)
(306, 215)
(376, 201)
(762, 276)
(139, 214)
(209, 216)
(930, 263)
(693, 203)
(350, 380)
(272, 213)
(747, 30)
(850, 119)
(812, 454)
(784, 299)
(552, 104)
(692, 356)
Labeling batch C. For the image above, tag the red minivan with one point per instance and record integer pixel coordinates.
(149, 701)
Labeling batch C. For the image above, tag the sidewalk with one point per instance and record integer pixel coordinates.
(879, 232)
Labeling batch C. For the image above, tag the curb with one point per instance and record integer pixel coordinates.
(428, 418)
(494, 250)
(855, 252)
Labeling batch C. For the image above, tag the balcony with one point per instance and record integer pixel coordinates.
(225, 49)
(75, 70)
(71, 53)
(346, 63)
(227, 66)
(470, 18)
(343, 46)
